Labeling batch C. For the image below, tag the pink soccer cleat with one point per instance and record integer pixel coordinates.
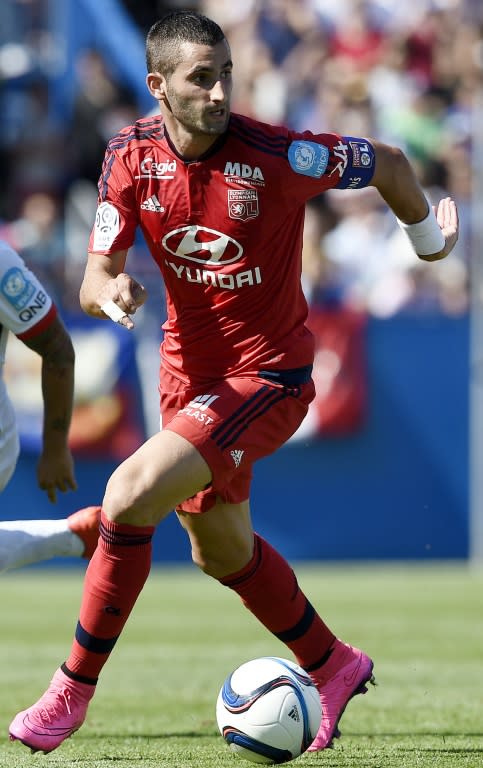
(345, 675)
(85, 524)
(55, 716)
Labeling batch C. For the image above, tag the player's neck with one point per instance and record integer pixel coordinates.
(188, 145)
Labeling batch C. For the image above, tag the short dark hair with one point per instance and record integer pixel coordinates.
(166, 35)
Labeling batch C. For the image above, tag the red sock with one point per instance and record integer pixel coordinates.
(268, 588)
(114, 578)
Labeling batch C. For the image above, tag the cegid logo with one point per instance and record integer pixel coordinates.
(202, 245)
(150, 169)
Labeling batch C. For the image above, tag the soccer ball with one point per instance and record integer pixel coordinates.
(268, 710)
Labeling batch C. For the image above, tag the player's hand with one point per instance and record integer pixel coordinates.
(126, 294)
(55, 471)
(446, 214)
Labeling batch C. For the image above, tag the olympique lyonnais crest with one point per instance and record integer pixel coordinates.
(242, 204)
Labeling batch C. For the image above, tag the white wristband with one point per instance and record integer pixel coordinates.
(425, 236)
(112, 310)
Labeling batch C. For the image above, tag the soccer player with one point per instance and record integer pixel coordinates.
(28, 311)
(220, 201)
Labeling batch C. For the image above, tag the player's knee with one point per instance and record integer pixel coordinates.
(120, 504)
(219, 564)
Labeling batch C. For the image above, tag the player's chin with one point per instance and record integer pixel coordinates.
(217, 122)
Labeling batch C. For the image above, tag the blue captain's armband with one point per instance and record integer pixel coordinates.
(355, 162)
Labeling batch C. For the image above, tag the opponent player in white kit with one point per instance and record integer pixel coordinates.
(27, 311)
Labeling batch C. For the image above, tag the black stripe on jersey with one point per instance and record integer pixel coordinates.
(105, 173)
(228, 432)
(256, 145)
(144, 131)
(278, 149)
(257, 134)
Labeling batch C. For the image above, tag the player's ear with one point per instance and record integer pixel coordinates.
(156, 85)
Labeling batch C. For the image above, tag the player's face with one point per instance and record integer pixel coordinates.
(198, 92)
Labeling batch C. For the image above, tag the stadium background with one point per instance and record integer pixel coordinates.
(381, 468)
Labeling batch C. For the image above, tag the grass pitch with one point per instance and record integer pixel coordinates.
(154, 708)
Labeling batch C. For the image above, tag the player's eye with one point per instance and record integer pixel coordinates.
(203, 78)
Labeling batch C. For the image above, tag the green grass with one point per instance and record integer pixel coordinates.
(155, 703)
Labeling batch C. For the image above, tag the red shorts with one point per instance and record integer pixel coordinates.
(232, 423)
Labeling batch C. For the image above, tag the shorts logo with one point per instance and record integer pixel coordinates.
(198, 406)
(308, 158)
(242, 204)
(17, 288)
(203, 402)
(202, 245)
(237, 456)
(106, 227)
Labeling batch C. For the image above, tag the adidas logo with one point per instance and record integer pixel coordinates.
(237, 457)
(294, 714)
(153, 204)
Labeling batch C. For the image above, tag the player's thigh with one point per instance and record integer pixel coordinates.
(221, 538)
(163, 472)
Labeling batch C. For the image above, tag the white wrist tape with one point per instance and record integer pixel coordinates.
(425, 236)
(113, 311)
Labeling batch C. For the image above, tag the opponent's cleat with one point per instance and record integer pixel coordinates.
(55, 716)
(345, 675)
(85, 524)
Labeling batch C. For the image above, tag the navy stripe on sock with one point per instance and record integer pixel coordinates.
(233, 582)
(323, 659)
(297, 631)
(124, 539)
(94, 644)
(78, 678)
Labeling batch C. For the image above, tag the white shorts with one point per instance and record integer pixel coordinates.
(9, 444)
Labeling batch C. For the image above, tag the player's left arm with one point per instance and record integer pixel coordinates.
(433, 232)
(55, 468)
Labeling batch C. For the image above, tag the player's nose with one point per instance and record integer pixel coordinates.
(217, 93)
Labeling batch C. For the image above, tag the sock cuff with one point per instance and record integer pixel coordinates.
(78, 678)
(234, 579)
(119, 533)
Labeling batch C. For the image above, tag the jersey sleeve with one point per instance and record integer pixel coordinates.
(116, 220)
(318, 162)
(26, 308)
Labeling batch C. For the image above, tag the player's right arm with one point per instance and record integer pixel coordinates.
(55, 468)
(105, 281)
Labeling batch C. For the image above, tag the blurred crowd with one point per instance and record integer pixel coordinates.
(409, 73)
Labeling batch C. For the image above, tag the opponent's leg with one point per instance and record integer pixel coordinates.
(225, 547)
(30, 541)
(143, 490)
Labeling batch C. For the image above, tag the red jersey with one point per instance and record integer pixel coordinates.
(226, 233)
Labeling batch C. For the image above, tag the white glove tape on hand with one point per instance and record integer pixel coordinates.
(112, 310)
